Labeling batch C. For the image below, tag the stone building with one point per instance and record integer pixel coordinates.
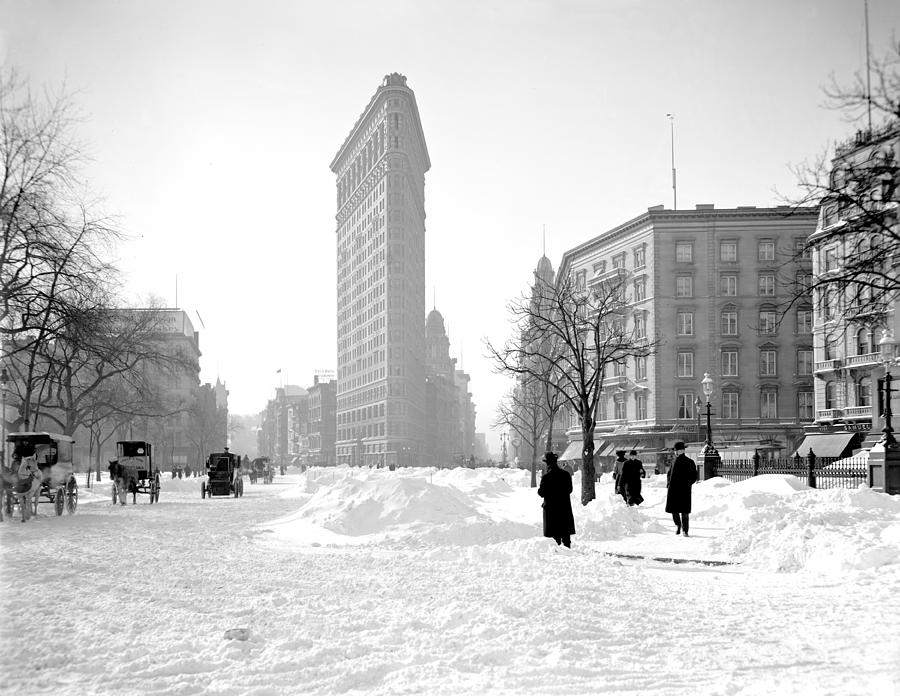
(710, 285)
(322, 422)
(380, 239)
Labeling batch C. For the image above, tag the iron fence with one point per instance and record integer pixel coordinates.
(819, 472)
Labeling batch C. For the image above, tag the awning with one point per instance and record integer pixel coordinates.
(606, 450)
(573, 452)
(826, 445)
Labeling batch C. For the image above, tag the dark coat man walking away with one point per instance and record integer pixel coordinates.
(630, 479)
(555, 489)
(617, 472)
(682, 475)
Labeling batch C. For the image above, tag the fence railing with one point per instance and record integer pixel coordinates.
(819, 472)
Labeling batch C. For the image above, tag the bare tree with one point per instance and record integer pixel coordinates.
(858, 236)
(582, 334)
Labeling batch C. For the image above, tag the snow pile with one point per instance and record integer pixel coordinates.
(776, 523)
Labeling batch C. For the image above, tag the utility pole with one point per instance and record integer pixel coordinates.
(671, 118)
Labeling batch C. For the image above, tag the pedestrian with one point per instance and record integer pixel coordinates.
(555, 489)
(617, 472)
(682, 475)
(632, 473)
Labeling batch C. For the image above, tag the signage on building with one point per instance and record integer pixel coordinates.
(324, 375)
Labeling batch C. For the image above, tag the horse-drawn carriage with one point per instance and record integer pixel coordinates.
(52, 454)
(261, 469)
(132, 471)
(224, 475)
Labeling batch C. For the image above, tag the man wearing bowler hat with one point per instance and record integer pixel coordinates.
(555, 489)
(682, 475)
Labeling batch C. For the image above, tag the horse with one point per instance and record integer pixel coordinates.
(123, 483)
(23, 486)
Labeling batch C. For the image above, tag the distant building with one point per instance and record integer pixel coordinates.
(283, 426)
(322, 422)
(380, 179)
(442, 422)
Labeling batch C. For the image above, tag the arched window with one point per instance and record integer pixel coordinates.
(864, 391)
(830, 395)
(864, 342)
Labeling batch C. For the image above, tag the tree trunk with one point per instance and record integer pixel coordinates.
(588, 473)
(534, 467)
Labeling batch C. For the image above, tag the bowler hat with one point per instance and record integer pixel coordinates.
(679, 445)
(633, 453)
(550, 457)
(620, 453)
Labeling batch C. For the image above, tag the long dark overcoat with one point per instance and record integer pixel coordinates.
(682, 476)
(555, 489)
(630, 481)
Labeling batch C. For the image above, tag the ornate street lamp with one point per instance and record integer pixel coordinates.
(710, 455)
(887, 346)
(4, 383)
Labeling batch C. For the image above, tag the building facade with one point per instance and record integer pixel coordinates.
(855, 325)
(710, 286)
(380, 177)
(322, 421)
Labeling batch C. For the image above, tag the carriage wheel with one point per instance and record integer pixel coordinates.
(59, 500)
(241, 483)
(202, 489)
(72, 497)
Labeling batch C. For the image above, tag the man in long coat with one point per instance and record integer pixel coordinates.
(555, 489)
(682, 475)
(630, 479)
(617, 472)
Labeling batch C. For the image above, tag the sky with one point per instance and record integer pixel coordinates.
(422, 581)
(211, 126)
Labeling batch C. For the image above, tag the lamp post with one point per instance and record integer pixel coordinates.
(886, 347)
(710, 455)
(503, 438)
(4, 380)
(698, 405)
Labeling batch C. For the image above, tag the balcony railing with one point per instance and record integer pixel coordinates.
(828, 365)
(865, 359)
(863, 412)
(829, 414)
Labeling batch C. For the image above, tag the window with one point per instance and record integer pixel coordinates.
(621, 411)
(618, 261)
(728, 285)
(804, 281)
(830, 349)
(640, 289)
(829, 304)
(599, 267)
(684, 286)
(830, 395)
(729, 363)
(864, 391)
(767, 284)
(640, 256)
(864, 342)
(804, 321)
(684, 252)
(768, 404)
(768, 319)
(830, 259)
(768, 363)
(802, 250)
(686, 405)
(729, 322)
(602, 410)
(728, 251)
(685, 364)
(804, 362)
(640, 367)
(580, 280)
(640, 406)
(830, 216)
(766, 248)
(805, 405)
(640, 325)
(730, 405)
(619, 369)
(684, 325)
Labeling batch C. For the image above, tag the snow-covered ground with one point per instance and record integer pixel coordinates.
(357, 581)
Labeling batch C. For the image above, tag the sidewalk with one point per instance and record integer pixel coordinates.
(666, 546)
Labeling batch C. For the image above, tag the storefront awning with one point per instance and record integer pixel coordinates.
(826, 445)
(573, 452)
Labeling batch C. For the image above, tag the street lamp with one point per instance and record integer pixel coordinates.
(886, 346)
(4, 380)
(710, 455)
(698, 405)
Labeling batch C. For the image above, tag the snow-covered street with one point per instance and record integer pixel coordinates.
(358, 581)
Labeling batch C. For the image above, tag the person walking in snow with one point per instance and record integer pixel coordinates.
(555, 488)
(630, 479)
(617, 472)
(682, 475)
